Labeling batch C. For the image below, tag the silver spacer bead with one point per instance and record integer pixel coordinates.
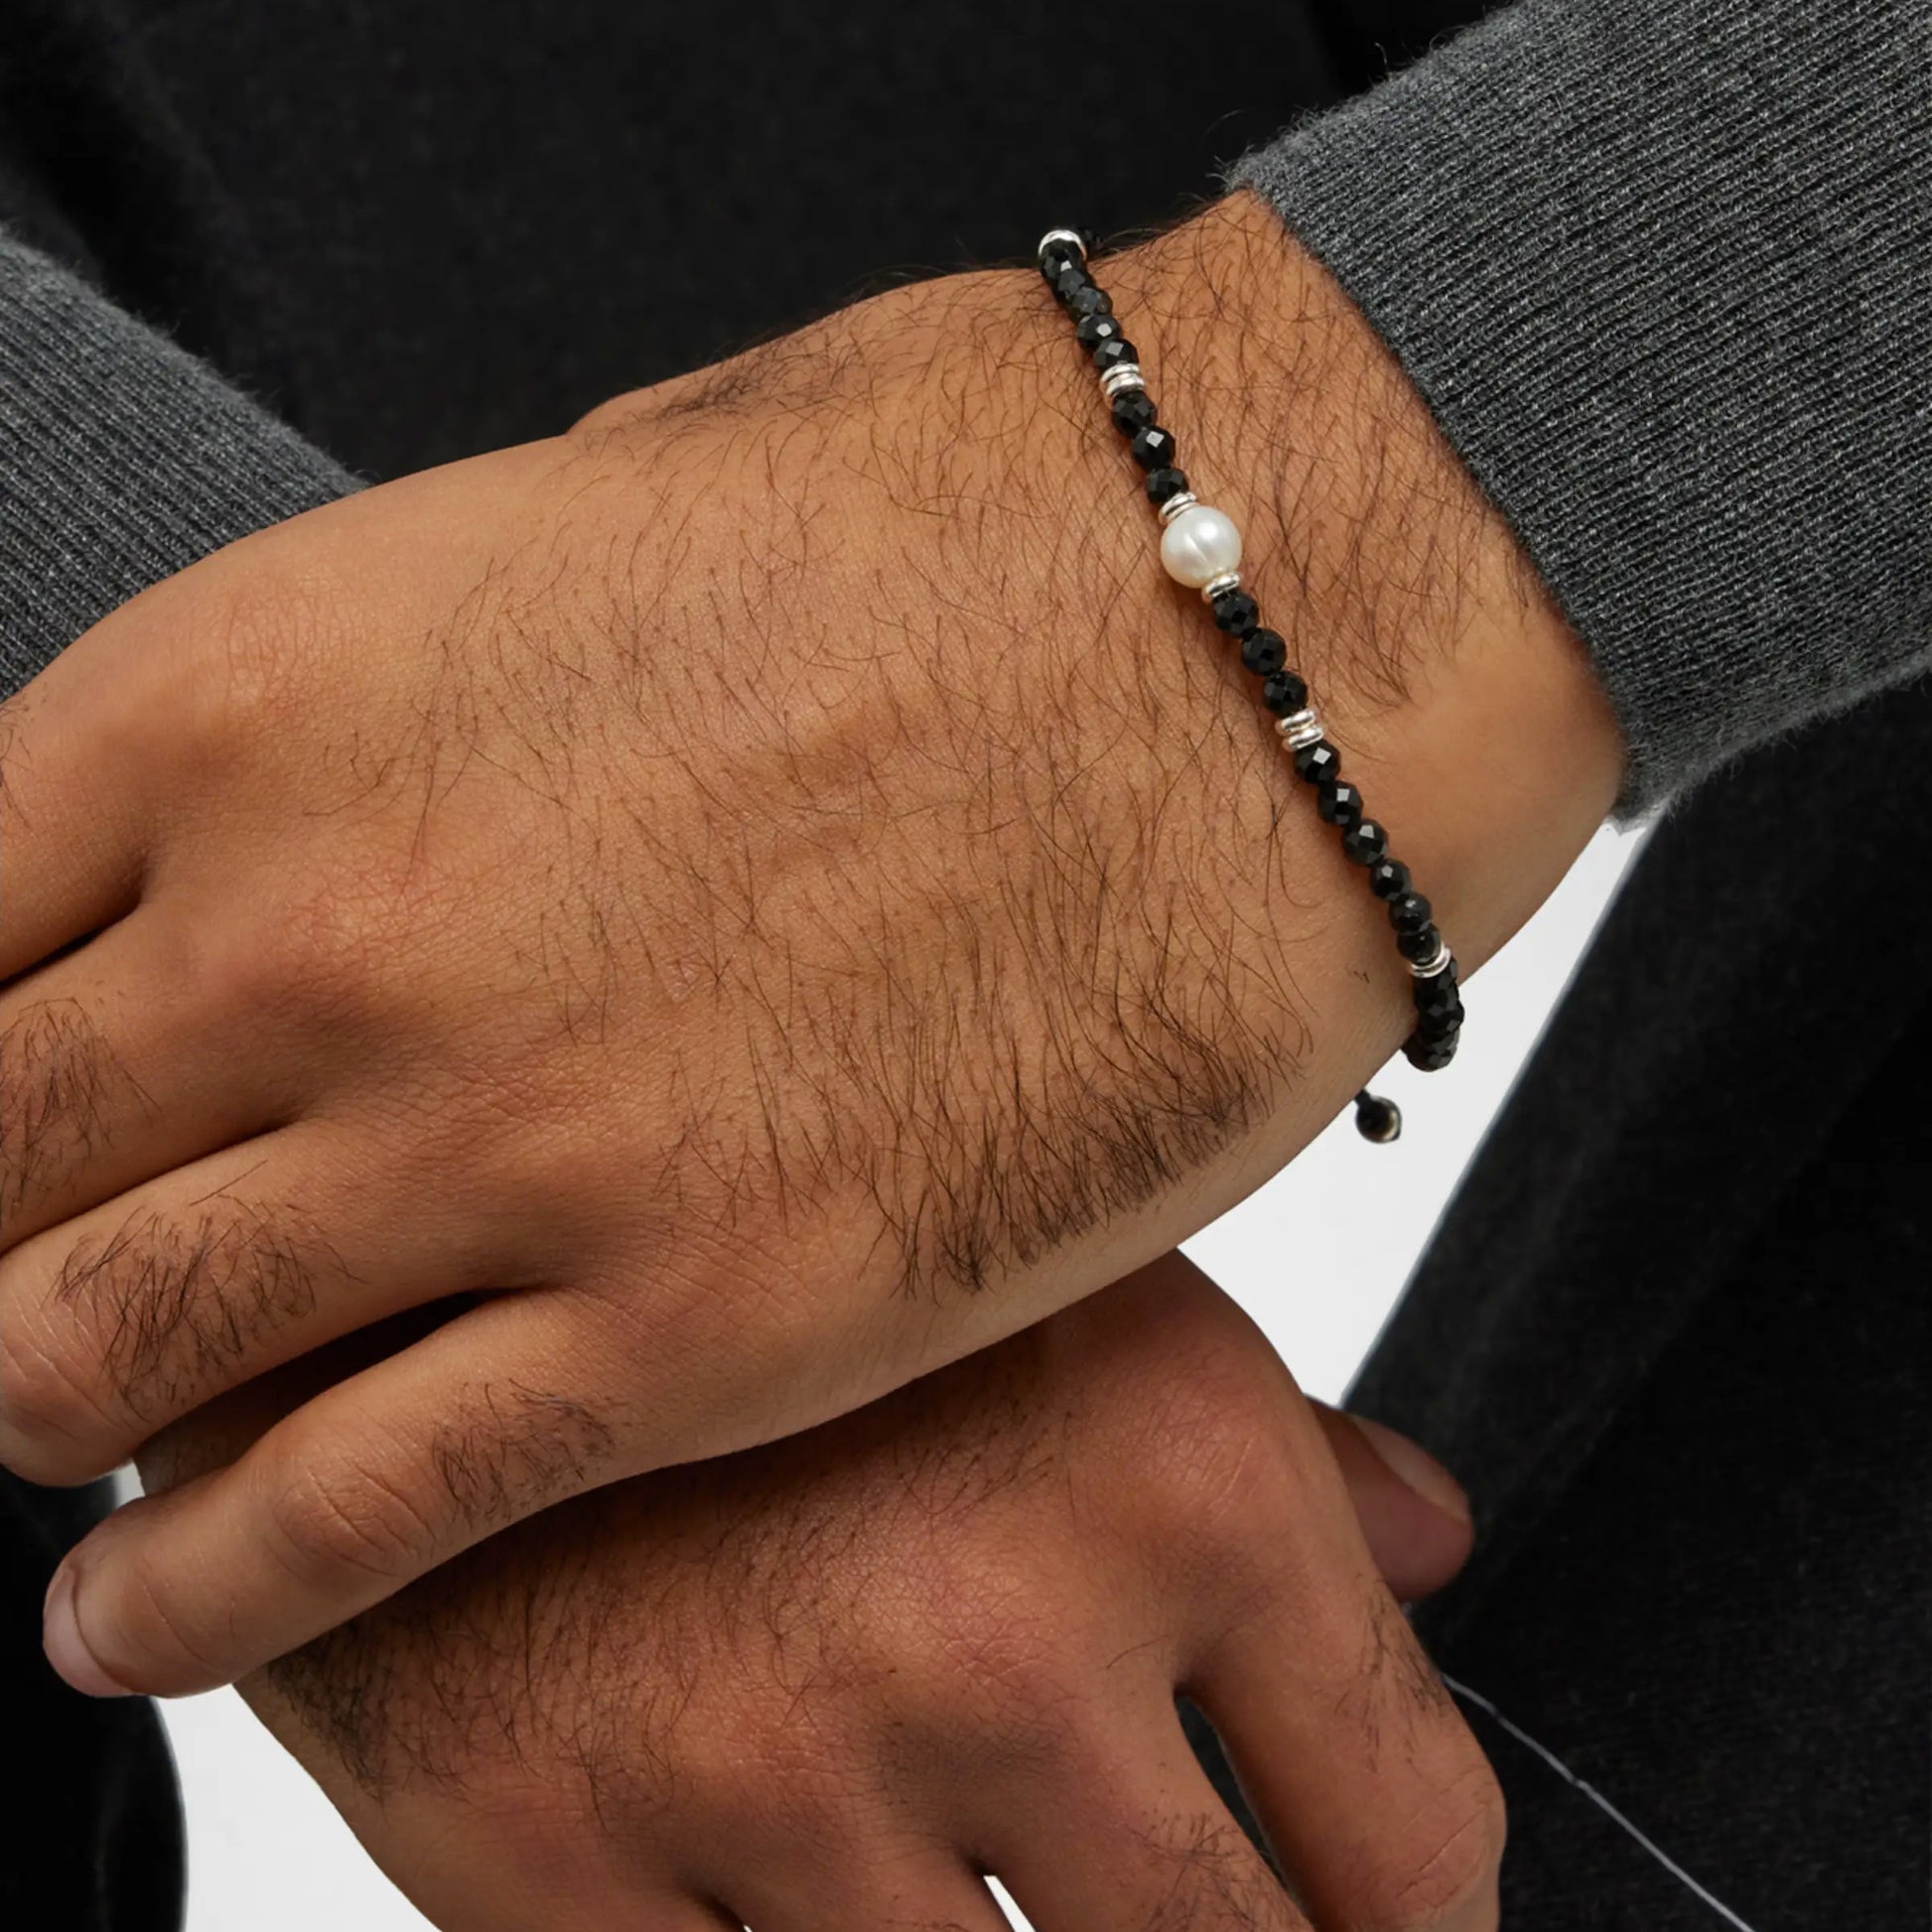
(1434, 964)
(1123, 376)
(1059, 234)
(1176, 504)
(1299, 728)
(1229, 580)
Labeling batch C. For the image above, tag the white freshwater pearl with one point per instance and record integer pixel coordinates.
(1199, 545)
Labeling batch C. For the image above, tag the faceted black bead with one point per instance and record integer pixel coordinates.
(1092, 331)
(1428, 1056)
(1339, 803)
(1114, 351)
(1377, 1119)
(1165, 483)
(1410, 911)
(1440, 1026)
(1388, 878)
(1365, 843)
(1235, 611)
(1264, 651)
(1088, 301)
(1284, 693)
(1057, 255)
(1071, 279)
(1153, 447)
(1131, 409)
(1317, 762)
(1435, 1001)
(1419, 945)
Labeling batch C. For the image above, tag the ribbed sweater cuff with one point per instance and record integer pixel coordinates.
(1657, 266)
(122, 460)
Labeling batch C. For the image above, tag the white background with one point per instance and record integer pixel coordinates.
(265, 1850)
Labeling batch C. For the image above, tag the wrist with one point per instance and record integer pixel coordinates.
(1467, 710)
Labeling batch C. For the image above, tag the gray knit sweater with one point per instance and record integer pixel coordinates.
(1659, 267)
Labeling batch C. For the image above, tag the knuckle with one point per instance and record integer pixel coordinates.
(251, 966)
(985, 1670)
(1223, 1479)
(335, 1522)
(300, 963)
(253, 645)
(1448, 1856)
(814, 1786)
(53, 1417)
(611, 424)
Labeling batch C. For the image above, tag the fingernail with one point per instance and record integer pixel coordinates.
(66, 1650)
(1415, 1468)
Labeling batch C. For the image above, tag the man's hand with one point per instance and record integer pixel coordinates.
(829, 1683)
(772, 890)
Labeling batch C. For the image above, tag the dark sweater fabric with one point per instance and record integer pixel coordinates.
(1661, 270)
(122, 460)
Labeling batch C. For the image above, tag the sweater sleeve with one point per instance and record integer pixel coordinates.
(1662, 271)
(122, 460)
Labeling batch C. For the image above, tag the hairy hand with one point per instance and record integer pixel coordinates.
(771, 889)
(829, 1683)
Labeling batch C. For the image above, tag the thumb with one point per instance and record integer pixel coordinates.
(1413, 1512)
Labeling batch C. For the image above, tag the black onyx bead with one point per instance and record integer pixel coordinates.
(1114, 351)
(1092, 331)
(1284, 693)
(1317, 762)
(1088, 301)
(1057, 256)
(1235, 611)
(1417, 946)
(1440, 1027)
(1165, 483)
(1410, 911)
(1131, 409)
(1428, 1056)
(1365, 843)
(1377, 1119)
(1388, 878)
(1435, 1001)
(1071, 279)
(1153, 447)
(1264, 651)
(1339, 803)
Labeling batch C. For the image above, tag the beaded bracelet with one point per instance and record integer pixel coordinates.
(1202, 548)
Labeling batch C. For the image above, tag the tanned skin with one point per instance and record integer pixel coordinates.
(771, 890)
(830, 1682)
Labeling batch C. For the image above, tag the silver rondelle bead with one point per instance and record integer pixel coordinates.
(1229, 580)
(1176, 504)
(1071, 236)
(1299, 728)
(1434, 964)
(1123, 376)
